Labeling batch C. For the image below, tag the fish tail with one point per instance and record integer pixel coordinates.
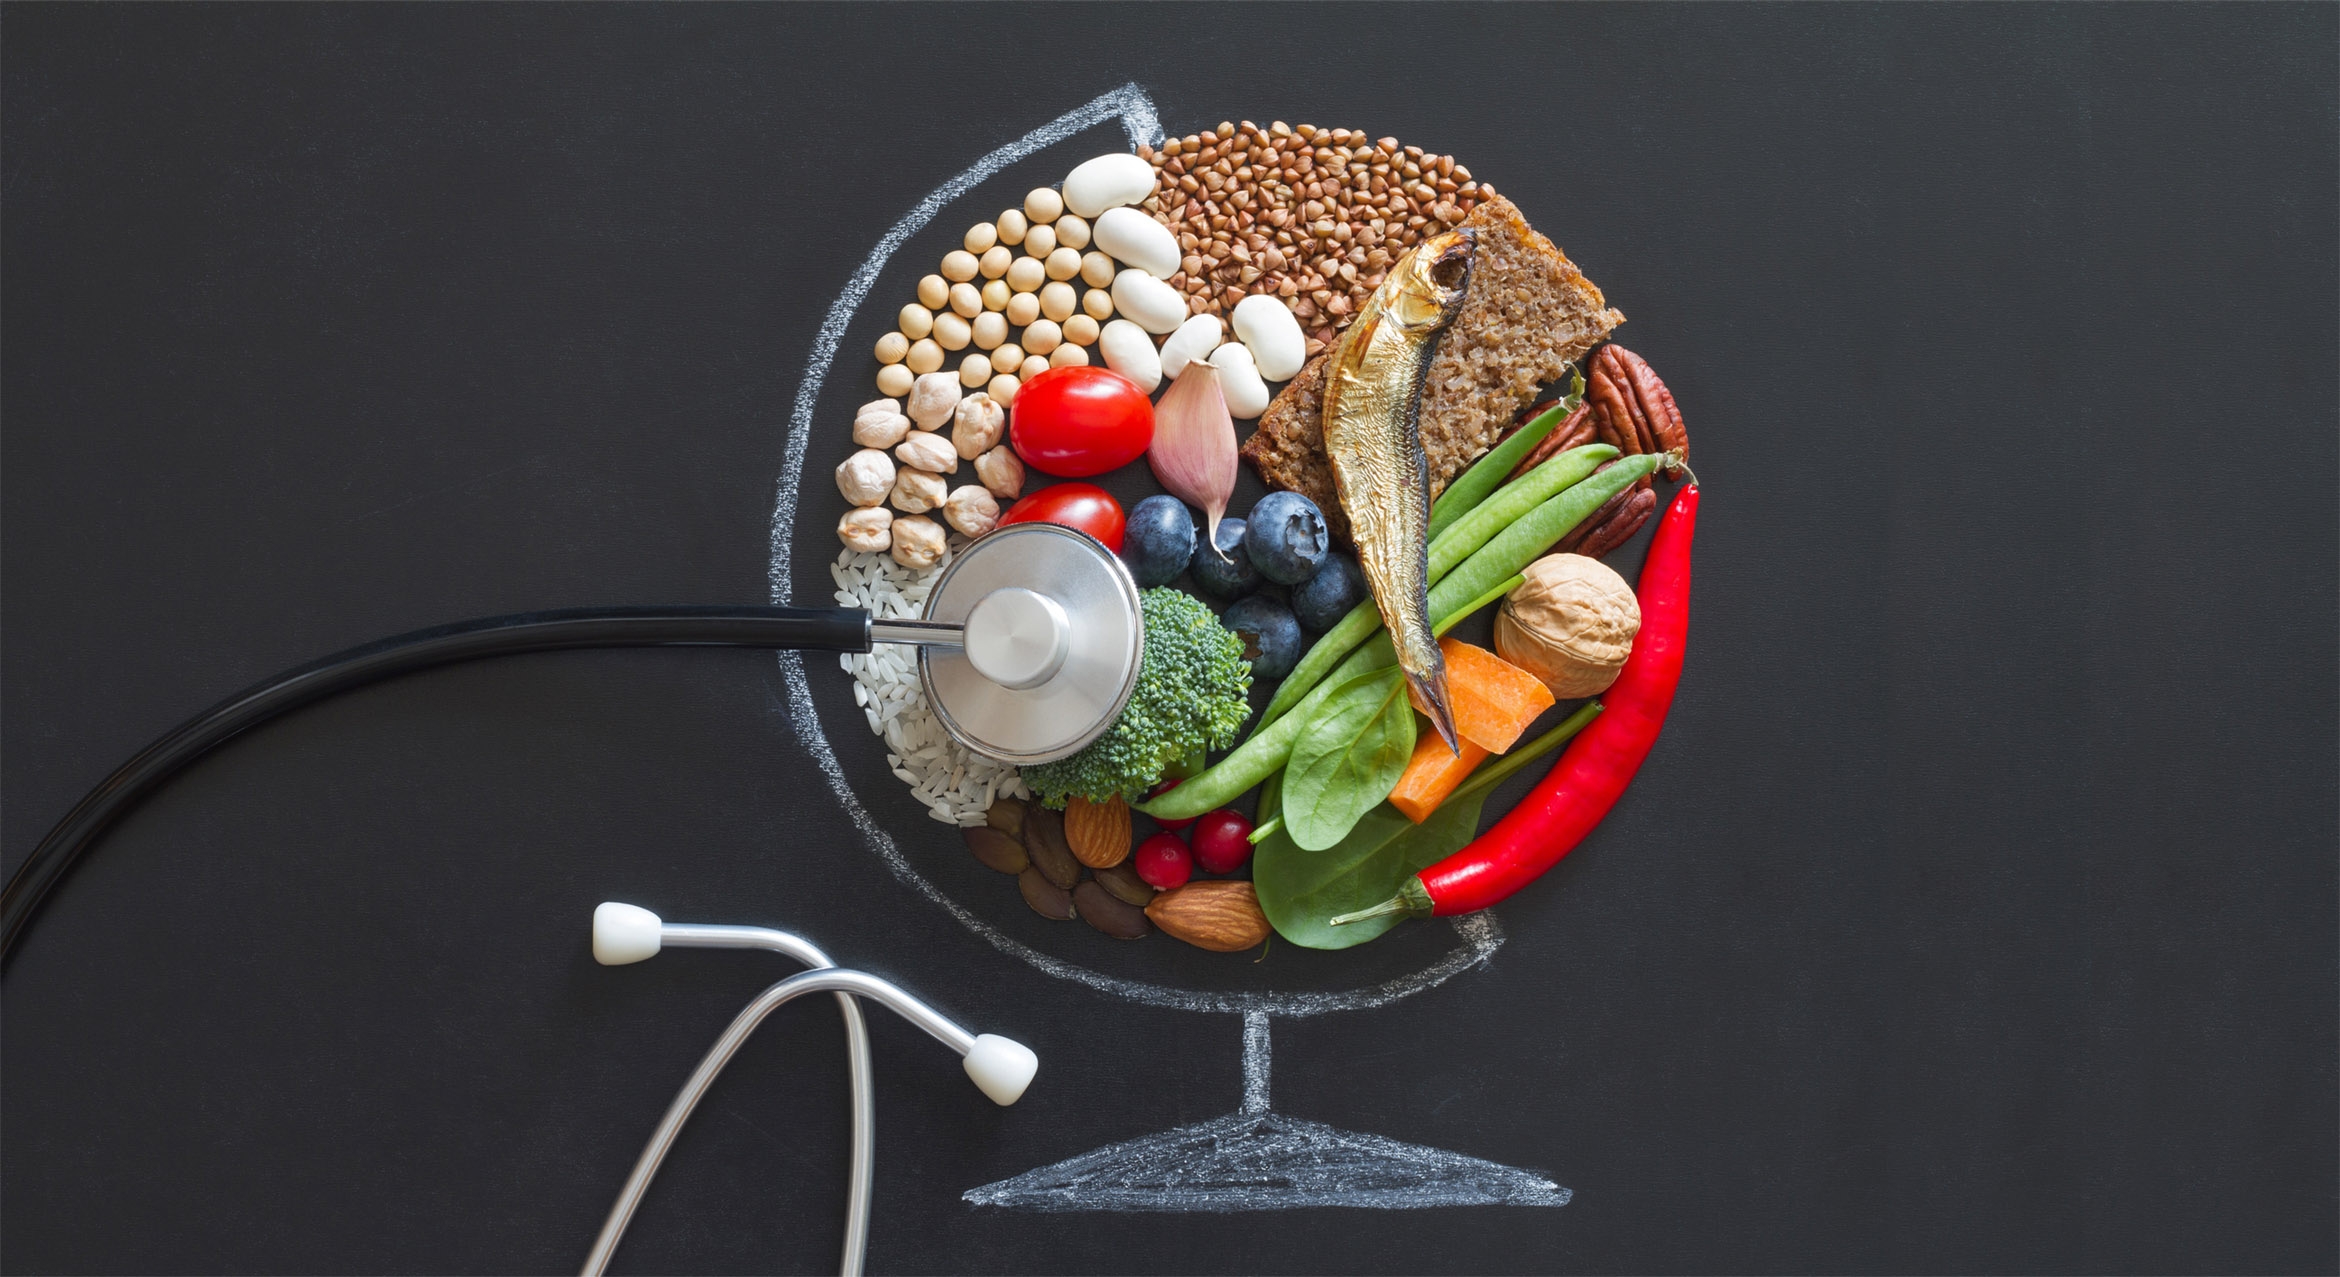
(1430, 692)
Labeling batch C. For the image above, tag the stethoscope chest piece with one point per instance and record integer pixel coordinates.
(1054, 637)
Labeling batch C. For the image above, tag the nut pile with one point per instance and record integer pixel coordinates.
(1077, 864)
(1312, 215)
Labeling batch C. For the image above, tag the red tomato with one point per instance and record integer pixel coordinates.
(1078, 421)
(1083, 507)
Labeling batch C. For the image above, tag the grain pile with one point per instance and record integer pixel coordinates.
(1312, 215)
(1528, 314)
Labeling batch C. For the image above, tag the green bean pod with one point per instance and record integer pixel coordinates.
(1476, 484)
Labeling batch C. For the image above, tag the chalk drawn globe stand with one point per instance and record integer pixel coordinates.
(1251, 1159)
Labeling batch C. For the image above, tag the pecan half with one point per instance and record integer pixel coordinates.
(1592, 522)
(1638, 393)
(1612, 420)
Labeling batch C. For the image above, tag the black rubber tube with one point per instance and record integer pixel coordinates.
(817, 629)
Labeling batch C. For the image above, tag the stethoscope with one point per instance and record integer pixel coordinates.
(1000, 1068)
(1028, 648)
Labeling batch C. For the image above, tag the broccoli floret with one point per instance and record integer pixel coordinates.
(1193, 693)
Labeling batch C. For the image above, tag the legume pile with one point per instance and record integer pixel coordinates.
(1312, 215)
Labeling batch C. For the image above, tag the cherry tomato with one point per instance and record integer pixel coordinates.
(1083, 507)
(1079, 420)
(1163, 862)
(1222, 840)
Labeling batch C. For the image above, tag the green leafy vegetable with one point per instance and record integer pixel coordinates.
(1302, 891)
(1193, 693)
(1347, 758)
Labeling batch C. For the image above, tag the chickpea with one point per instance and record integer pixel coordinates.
(1034, 365)
(950, 333)
(1022, 309)
(868, 529)
(1080, 330)
(971, 509)
(934, 292)
(1042, 336)
(896, 379)
(866, 477)
(1098, 303)
(918, 541)
(976, 425)
(1067, 355)
(958, 265)
(1058, 301)
(1007, 358)
(1062, 264)
(994, 262)
(974, 370)
(990, 329)
(1039, 241)
(1002, 390)
(917, 321)
(1097, 270)
(1072, 232)
(1011, 226)
(1043, 205)
(1027, 274)
(996, 294)
(980, 237)
(1002, 472)
(967, 300)
(925, 356)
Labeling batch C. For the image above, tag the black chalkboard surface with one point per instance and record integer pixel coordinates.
(1976, 911)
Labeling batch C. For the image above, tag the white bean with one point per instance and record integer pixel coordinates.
(1130, 352)
(1195, 339)
(1247, 395)
(1134, 239)
(1152, 304)
(1265, 325)
(1107, 182)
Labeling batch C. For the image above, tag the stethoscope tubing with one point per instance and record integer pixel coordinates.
(859, 1184)
(684, 625)
(829, 979)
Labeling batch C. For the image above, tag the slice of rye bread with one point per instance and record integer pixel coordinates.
(1527, 314)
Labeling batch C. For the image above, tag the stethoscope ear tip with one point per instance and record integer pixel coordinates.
(623, 934)
(1001, 1067)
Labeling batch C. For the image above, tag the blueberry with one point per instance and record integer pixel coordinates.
(1286, 537)
(1270, 634)
(1322, 600)
(1158, 540)
(1225, 572)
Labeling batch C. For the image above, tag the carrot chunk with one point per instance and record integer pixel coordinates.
(1493, 699)
(1432, 774)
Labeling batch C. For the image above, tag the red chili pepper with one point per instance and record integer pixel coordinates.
(1589, 778)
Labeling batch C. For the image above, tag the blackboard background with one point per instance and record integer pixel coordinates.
(1977, 911)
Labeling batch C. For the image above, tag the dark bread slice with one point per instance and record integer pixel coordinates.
(1529, 313)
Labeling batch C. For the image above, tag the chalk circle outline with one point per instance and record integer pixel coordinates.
(1481, 934)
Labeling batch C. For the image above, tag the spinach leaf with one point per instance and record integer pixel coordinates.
(1302, 891)
(1347, 758)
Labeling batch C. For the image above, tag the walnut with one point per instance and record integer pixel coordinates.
(868, 529)
(865, 476)
(971, 510)
(1002, 471)
(880, 428)
(916, 492)
(918, 541)
(928, 452)
(933, 398)
(976, 428)
(1571, 624)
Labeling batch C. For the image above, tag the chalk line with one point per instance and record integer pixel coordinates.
(1480, 933)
